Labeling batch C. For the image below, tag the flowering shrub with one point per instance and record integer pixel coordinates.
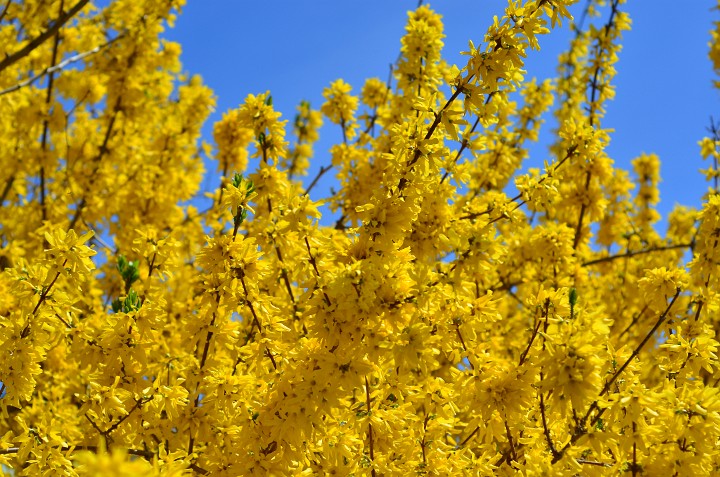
(440, 326)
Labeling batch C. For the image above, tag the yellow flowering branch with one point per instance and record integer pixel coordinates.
(45, 292)
(581, 430)
(60, 66)
(593, 105)
(255, 323)
(12, 58)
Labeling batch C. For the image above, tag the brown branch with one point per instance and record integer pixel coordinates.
(639, 252)
(593, 462)
(370, 428)
(320, 173)
(78, 211)
(256, 322)
(138, 405)
(465, 141)
(208, 339)
(43, 296)
(546, 430)
(40, 39)
(568, 155)
(532, 338)
(583, 209)
(546, 311)
(92, 423)
(430, 132)
(103, 150)
(140, 453)
(465, 441)
(639, 347)
(424, 442)
(5, 9)
(464, 144)
(581, 428)
(635, 319)
(594, 88)
(513, 452)
(284, 275)
(313, 262)
(6, 189)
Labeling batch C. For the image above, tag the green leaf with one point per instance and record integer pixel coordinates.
(573, 296)
(128, 271)
(132, 302)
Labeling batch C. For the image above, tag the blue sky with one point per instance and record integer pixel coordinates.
(664, 93)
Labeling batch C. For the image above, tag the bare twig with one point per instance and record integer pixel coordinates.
(638, 252)
(320, 173)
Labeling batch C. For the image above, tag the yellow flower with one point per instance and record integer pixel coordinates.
(70, 251)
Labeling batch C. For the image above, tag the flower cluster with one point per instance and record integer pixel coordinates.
(437, 326)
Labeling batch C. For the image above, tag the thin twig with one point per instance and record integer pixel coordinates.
(638, 252)
(43, 296)
(370, 428)
(5, 9)
(465, 441)
(320, 173)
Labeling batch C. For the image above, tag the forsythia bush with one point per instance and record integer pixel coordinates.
(439, 326)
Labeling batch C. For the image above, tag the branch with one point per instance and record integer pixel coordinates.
(320, 173)
(255, 322)
(639, 252)
(474, 215)
(40, 39)
(546, 429)
(465, 441)
(59, 66)
(313, 262)
(41, 300)
(463, 145)
(5, 9)
(593, 462)
(546, 311)
(431, 130)
(138, 405)
(513, 452)
(581, 429)
(370, 428)
(639, 347)
(465, 141)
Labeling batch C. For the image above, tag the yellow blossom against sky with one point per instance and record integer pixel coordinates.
(437, 324)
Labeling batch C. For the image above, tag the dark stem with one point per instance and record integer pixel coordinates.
(639, 252)
(370, 428)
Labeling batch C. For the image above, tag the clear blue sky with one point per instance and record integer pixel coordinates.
(294, 49)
